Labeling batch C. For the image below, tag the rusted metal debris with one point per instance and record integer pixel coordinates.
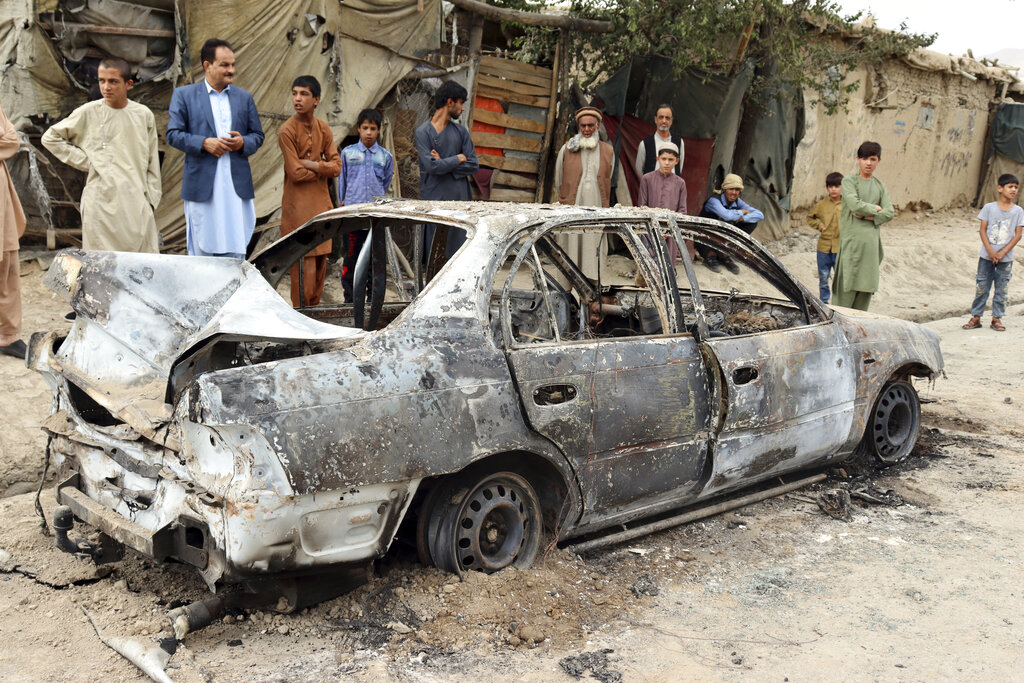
(836, 504)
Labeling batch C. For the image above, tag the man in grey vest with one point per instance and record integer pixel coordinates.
(647, 152)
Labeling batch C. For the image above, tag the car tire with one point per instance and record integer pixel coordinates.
(481, 523)
(893, 424)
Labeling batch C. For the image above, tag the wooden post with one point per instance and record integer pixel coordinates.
(476, 36)
(549, 128)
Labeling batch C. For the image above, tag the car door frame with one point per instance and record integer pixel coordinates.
(750, 447)
(619, 481)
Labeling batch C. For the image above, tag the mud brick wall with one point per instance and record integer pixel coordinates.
(932, 126)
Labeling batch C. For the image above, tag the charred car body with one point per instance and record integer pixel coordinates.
(198, 417)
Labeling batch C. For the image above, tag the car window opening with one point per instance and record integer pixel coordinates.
(749, 302)
(383, 284)
(578, 283)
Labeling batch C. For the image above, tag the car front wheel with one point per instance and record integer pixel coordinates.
(894, 422)
(481, 523)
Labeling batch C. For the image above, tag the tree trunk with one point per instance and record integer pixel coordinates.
(561, 21)
(753, 102)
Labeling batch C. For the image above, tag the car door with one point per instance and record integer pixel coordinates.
(630, 412)
(789, 393)
(789, 402)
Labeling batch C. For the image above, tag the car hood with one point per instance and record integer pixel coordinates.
(137, 314)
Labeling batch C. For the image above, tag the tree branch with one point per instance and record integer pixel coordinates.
(534, 18)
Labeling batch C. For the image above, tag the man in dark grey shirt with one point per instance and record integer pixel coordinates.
(446, 154)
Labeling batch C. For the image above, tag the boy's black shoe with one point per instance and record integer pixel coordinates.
(16, 349)
(712, 264)
(731, 265)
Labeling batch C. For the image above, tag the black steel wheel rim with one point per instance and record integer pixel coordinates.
(895, 422)
(493, 522)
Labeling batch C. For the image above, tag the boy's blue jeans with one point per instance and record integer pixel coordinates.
(826, 263)
(989, 272)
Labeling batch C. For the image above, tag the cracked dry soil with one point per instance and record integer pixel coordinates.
(928, 590)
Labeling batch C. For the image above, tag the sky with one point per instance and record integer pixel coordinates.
(984, 26)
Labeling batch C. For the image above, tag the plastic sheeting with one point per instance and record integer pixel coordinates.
(1007, 150)
(32, 76)
(708, 107)
(997, 166)
(1008, 131)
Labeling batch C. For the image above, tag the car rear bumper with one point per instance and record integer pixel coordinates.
(229, 534)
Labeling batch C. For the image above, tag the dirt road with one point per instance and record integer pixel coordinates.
(927, 590)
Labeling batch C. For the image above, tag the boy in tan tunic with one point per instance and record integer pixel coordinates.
(12, 227)
(114, 141)
(310, 158)
(824, 218)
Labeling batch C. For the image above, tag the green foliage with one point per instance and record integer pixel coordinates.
(533, 44)
(794, 44)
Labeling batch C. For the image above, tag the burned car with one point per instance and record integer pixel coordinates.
(556, 376)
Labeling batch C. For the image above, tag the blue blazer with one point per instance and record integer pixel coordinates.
(190, 121)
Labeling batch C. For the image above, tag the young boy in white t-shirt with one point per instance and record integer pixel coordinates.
(1001, 223)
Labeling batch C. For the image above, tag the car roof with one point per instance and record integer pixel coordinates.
(499, 219)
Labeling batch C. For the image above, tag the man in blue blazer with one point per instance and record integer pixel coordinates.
(218, 128)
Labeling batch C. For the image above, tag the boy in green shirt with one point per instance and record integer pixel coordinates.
(824, 218)
(866, 206)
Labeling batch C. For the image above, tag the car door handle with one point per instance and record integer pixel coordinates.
(553, 394)
(744, 375)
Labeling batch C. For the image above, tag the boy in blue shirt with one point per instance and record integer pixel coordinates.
(366, 172)
(1001, 223)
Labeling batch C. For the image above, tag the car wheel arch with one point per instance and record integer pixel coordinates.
(553, 482)
(901, 375)
(911, 369)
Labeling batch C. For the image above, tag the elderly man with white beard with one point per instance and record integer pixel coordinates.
(583, 170)
(583, 177)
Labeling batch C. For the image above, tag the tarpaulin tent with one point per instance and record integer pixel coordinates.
(709, 108)
(1006, 150)
(358, 49)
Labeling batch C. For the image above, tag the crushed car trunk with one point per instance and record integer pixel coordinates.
(124, 363)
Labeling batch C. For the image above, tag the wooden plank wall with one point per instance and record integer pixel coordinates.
(526, 93)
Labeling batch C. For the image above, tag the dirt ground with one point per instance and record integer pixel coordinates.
(921, 591)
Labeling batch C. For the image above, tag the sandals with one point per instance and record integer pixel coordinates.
(975, 322)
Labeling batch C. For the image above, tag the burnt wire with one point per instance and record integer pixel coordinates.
(600, 299)
(42, 482)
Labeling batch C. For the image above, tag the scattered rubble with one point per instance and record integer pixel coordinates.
(596, 662)
(644, 585)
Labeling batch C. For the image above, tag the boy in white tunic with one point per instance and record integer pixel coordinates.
(114, 141)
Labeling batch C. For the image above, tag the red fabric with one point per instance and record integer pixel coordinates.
(696, 158)
(482, 179)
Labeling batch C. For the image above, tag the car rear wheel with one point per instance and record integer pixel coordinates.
(481, 523)
(894, 422)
